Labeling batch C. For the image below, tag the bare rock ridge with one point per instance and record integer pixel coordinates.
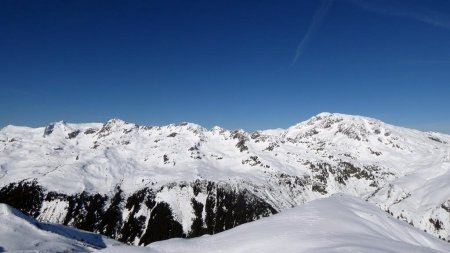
(141, 184)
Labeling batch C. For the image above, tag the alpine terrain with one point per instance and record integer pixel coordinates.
(340, 223)
(141, 184)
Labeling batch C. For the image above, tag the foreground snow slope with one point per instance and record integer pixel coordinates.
(340, 223)
(121, 179)
(18, 232)
(336, 224)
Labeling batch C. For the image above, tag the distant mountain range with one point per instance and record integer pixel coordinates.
(141, 184)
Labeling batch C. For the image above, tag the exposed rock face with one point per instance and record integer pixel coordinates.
(140, 184)
(140, 218)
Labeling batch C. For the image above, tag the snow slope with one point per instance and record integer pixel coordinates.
(18, 232)
(403, 171)
(339, 223)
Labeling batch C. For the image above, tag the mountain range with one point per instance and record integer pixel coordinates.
(142, 184)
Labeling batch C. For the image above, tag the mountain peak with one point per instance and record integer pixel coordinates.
(116, 124)
(189, 126)
(328, 125)
(54, 125)
(115, 121)
(341, 117)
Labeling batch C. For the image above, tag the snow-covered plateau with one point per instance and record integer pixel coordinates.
(141, 184)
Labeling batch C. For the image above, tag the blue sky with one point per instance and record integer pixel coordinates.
(237, 64)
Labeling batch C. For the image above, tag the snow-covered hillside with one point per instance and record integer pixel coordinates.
(18, 232)
(141, 184)
(340, 223)
(336, 224)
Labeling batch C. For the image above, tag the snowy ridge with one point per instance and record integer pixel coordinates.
(403, 171)
(20, 232)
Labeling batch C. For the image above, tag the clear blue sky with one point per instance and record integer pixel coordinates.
(237, 64)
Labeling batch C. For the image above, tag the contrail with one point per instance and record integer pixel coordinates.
(315, 24)
(434, 18)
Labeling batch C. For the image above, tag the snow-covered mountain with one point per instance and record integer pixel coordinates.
(340, 223)
(141, 184)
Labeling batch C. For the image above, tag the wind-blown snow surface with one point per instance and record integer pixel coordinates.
(403, 171)
(18, 232)
(336, 224)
